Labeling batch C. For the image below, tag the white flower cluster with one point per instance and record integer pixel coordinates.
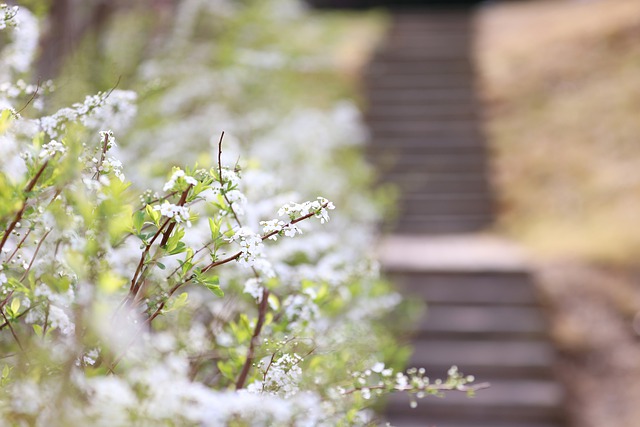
(178, 175)
(116, 108)
(18, 54)
(281, 376)
(51, 148)
(20, 88)
(251, 246)
(319, 208)
(59, 305)
(110, 138)
(254, 288)
(279, 226)
(114, 165)
(7, 16)
(178, 213)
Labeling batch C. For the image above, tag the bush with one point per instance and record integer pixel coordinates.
(188, 296)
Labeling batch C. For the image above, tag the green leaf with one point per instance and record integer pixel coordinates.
(215, 229)
(138, 221)
(174, 244)
(213, 284)
(226, 369)
(15, 306)
(161, 266)
(5, 120)
(181, 301)
(38, 330)
(187, 263)
(153, 214)
(274, 302)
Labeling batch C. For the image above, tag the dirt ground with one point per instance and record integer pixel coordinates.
(594, 316)
(560, 81)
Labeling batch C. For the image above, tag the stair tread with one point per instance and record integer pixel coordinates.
(463, 319)
(480, 354)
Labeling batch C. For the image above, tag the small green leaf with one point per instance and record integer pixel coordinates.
(38, 330)
(181, 301)
(226, 369)
(213, 284)
(274, 302)
(5, 371)
(153, 214)
(138, 221)
(15, 306)
(161, 266)
(215, 229)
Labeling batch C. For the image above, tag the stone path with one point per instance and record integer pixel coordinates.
(482, 310)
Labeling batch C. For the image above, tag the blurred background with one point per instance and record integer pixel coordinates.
(559, 84)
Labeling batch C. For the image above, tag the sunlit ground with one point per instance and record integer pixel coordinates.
(561, 84)
(560, 79)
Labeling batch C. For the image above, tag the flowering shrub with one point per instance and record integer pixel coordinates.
(205, 297)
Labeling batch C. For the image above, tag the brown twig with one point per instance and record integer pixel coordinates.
(427, 387)
(35, 93)
(35, 254)
(19, 214)
(224, 194)
(6, 320)
(103, 154)
(262, 311)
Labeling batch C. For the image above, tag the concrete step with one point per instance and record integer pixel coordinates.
(440, 224)
(446, 50)
(424, 67)
(417, 96)
(430, 163)
(454, 207)
(441, 149)
(430, 182)
(465, 288)
(517, 402)
(421, 82)
(413, 142)
(385, 70)
(408, 421)
(489, 322)
(445, 112)
(512, 358)
(411, 125)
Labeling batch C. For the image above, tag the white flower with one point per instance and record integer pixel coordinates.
(251, 246)
(50, 149)
(178, 213)
(318, 207)
(253, 288)
(178, 174)
(378, 367)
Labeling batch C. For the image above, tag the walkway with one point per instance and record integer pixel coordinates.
(482, 310)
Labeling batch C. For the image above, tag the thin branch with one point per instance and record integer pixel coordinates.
(19, 214)
(262, 312)
(426, 388)
(103, 154)
(33, 96)
(35, 254)
(18, 316)
(224, 194)
(20, 243)
(181, 202)
(6, 320)
(264, 237)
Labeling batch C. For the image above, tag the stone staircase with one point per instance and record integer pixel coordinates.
(482, 312)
